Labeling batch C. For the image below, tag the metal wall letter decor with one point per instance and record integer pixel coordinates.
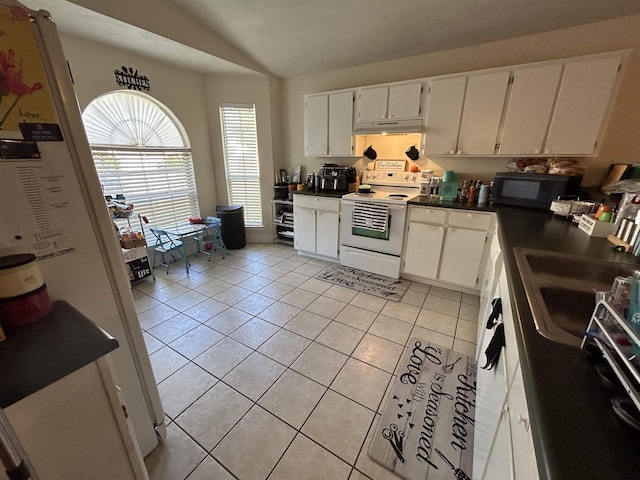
(132, 80)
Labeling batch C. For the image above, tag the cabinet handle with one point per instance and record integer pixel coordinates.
(524, 421)
(505, 411)
(441, 229)
(460, 151)
(547, 151)
(536, 151)
(452, 151)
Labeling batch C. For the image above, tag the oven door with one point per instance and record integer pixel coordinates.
(373, 235)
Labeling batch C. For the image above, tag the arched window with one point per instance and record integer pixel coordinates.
(140, 150)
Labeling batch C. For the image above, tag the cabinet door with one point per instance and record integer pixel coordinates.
(304, 220)
(373, 104)
(316, 121)
(491, 418)
(482, 112)
(327, 227)
(461, 256)
(583, 99)
(422, 254)
(499, 465)
(524, 456)
(340, 123)
(533, 94)
(443, 115)
(404, 101)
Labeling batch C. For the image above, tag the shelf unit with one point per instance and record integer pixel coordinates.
(282, 221)
(605, 328)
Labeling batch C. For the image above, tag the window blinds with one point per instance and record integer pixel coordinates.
(159, 183)
(240, 144)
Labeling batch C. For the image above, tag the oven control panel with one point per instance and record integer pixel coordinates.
(382, 177)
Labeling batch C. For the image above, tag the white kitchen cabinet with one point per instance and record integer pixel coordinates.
(461, 256)
(444, 110)
(446, 245)
(583, 101)
(424, 244)
(389, 102)
(328, 124)
(482, 112)
(317, 224)
(511, 453)
(533, 94)
(524, 459)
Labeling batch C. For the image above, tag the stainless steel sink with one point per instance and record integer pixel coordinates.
(561, 290)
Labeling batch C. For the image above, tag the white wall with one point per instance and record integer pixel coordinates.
(263, 92)
(621, 142)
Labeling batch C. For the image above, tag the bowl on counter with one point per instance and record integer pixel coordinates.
(364, 188)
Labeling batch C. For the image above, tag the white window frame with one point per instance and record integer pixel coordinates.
(239, 133)
(157, 179)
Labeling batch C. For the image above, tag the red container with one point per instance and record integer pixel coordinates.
(26, 308)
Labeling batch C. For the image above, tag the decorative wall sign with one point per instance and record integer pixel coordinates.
(129, 78)
(391, 165)
(427, 427)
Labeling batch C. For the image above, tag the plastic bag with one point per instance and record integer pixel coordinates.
(630, 185)
(527, 164)
(566, 166)
(628, 208)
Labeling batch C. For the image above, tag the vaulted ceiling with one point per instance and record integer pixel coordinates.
(290, 38)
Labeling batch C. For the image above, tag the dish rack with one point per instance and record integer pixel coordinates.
(572, 206)
(606, 328)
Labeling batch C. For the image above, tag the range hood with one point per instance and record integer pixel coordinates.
(413, 125)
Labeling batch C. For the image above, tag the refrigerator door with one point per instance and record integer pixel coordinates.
(53, 206)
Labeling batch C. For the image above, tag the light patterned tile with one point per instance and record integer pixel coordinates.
(166, 361)
(467, 331)
(469, 312)
(213, 287)
(445, 293)
(229, 320)
(254, 303)
(340, 425)
(196, 341)
(401, 311)
(210, 469)
(368, 302)
(361, 383)
(254, 283)
(438, 322)
(184, 387)
(338, 292)
(223, 357)
(169, 292)
(320, 363)
(356, 317)
(144, 303)
(260, 437)
(414, 297)
(292, 398)
(152, 343)
(279, 313)
(174, 459)
(156, 315)
(173, 328)
(340, 337)
(391, 329)
(293, 279)
(207, 309)
(299, 298)
(430, 336)
(378, 352)
(186, 300)
(214, 414)
(275, 290)
(467, 348)
(233, 295)
(306, 459)
(471, 299)
(254, 333)
(316, 286)
(254, 376)
(327, 307)
(307, 324)
(442, 305)
(284, 347)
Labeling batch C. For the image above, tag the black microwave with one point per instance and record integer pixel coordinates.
(535, 190)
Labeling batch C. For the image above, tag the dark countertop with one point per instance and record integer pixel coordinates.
(320, 193)
(435, 202)
(575, 432)
(40, 353)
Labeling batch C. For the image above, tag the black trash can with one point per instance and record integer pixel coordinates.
(232, 217)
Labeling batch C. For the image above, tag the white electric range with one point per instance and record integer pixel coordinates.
(373, 224)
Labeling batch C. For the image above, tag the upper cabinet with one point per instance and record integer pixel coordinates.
(583, 101)
(328, 124)
(533, 93)
(389, 102)
(554, 108)
(444, 111)
(483, 105)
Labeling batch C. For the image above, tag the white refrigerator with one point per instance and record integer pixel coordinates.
(51, 204)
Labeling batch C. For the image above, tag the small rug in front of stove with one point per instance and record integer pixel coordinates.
(427, 426)
(379, 285)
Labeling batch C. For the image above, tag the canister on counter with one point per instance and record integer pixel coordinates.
(23, 293)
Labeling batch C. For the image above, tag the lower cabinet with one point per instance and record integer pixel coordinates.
(447, 245)
(503, 444)
(317, 225)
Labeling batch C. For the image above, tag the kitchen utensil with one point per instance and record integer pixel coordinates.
(457, 472)
(412, 152)
(370, 153)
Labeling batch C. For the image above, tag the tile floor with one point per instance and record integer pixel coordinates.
(266, 372)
